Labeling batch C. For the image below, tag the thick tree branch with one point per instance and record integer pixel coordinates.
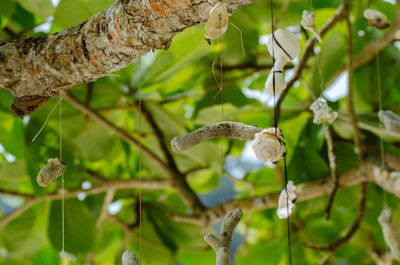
(34, 69)
(235, 130)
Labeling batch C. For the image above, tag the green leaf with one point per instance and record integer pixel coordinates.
(44, 8)
(80, 226)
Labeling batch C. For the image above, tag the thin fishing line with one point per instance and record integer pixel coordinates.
(276, 128)
(222, 114)
(62, 185)
(140, 161)
(241, 37)
(47, 119)
(380, 105)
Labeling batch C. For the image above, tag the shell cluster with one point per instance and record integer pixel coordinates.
(287, 201)
(308, 22)
(52, 170)
(376, 18)
(322, 112)
(217, 23)
(284, 47)
(391, 120)
(268, 145)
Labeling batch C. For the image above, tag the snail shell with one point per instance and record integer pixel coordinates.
(322, 112)
(287, 199)
(129, 258)
(390, 232)
(268, 145)
(54, 168)
(286, 45)
(391, 120)
(308, 22)
(376, 18)
(217, 23)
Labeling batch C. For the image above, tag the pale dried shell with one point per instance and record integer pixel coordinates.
(322, 112)
(217, 23)
(54, 168)
(390, 120)
(390, 232)
(129, 258)
(280, 83)
(287, 199)
(308, 22)
(376, 18)
(287, 42)
(268, 145)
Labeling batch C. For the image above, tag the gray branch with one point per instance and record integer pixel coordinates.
(222, 243)
(228, 129)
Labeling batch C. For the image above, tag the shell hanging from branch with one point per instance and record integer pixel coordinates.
(322, 112)
(287, 201)
(391, 120)
(129, 258)
(268, 145)
(217, 23)
(54, 168)
(308, 22)
(376, 18)
(284, 47)
(390, 232)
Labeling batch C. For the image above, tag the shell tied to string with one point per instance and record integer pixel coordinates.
(268, 145)
(308, 22)
(390, 232)
(391, 121)
(52, 170)
(284, 47)
(217, 23)
(322, 112)
(287, 199)
(129, 258)
(376, 19)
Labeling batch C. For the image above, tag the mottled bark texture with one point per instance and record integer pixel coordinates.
(222, 243)
(229, 129)
(34, 69)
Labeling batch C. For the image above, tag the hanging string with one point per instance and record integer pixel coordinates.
(46, 120)
(380, 105)
(276, 128)
(140, 161)
(221, 81)
(62, 187)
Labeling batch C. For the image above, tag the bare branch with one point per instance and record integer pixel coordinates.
(221, 129)
(222, 243)
(333, 166)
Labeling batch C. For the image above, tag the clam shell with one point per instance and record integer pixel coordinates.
(217, 23)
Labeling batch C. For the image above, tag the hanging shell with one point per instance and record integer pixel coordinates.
(397, 35)
(376, 18)
(129, 258)
(280, 83)
(308, 22)
(286, 45)
(287, 201)
(390, 232)
(391, 120)
(268, 145)
(322, 112)
(54, 168)
(217, 23)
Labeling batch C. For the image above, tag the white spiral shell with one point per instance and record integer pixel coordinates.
(308, 22)
(54, 168)
(268, 146)
(322, 112)
(217, 23)
(288, 47)
(287, 199)
(280, 83)
(129, 258)
(391, 120)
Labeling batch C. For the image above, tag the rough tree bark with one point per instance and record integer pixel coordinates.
(34, 69)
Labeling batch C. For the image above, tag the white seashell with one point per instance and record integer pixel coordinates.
(54, 168)
(287, 199)
(391, 120)
(129, 258)
(308, 22)
(268, 145)
(286, 45)
(390, 232)
(280, 83)
(376, 18)
(322, 112)
(217, 23)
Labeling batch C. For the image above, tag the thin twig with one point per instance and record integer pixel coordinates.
(333, 166)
